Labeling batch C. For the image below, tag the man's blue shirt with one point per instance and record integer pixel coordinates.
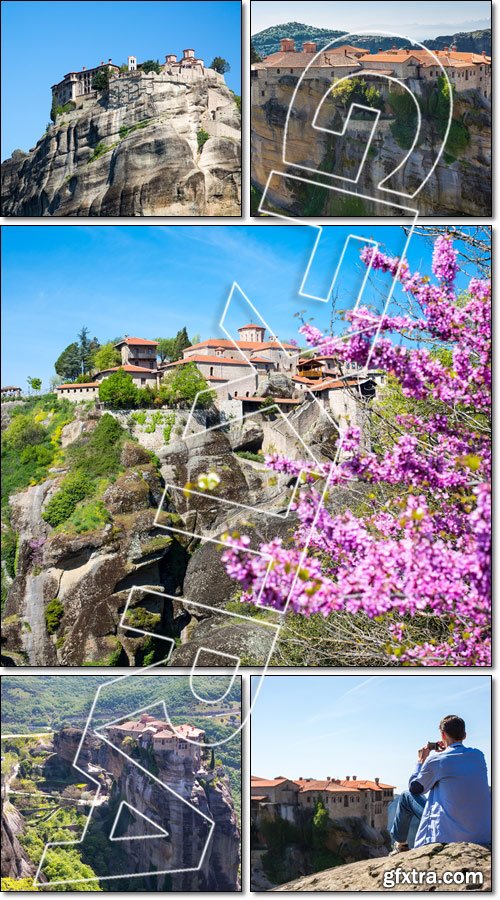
(458, 806)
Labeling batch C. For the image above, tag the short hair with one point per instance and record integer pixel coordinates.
(453, 726)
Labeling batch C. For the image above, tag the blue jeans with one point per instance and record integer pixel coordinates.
(409, 805)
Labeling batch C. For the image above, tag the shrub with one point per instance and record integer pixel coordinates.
(74, 488)
(100, 150)
(54, 612)
(119, 390)
(180, 387)
(23, 432)
(151, 65)
(142, 618)
(99, 455)
(202, 137)
(89, 517)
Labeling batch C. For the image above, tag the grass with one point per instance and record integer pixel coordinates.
(29, 464)
(125, 130)
(100, 150)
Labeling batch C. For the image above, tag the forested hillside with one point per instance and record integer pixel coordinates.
(267, 41)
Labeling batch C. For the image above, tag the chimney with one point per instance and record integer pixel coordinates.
(446, 49)
(84, 68)
(110, 60)
(309, 47)
(380, 50)
(377, 780)
(328, 778)
(348, 778)
(354, 777)
(287, 45)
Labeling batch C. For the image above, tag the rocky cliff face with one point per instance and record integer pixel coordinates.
(460, 184)
(90, 574)
(14, 862)
(134, 152)
(210, 793)
(432, 860)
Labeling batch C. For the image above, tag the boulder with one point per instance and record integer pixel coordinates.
(430, 862)
(134, 455)
(129, 493)
(247, 641)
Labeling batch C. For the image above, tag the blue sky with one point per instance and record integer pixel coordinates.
(42, 41)
(365, 725)
(416, 19)
(150, 281)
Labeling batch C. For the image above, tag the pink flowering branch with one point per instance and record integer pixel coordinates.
(425, 553)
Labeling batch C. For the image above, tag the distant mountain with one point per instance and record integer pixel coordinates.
(267, 41)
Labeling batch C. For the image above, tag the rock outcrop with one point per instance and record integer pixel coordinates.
(460, 184)
(432, 861)
(151, 146)
(208, 792)
(14, 862)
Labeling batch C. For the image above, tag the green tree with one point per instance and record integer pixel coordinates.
(151, 65)
(181, 342)
(18, 884)
(24, 432)
(220, 65)
(61, 864)
(166, 349)
(68, 364)
(100, 81)
(55, 381)
(119, 390)
(106, 357)
(88, 349)
(254, 56)
(34, 383)
(180, 387)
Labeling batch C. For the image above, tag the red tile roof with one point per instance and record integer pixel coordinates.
(243, 345)
(207, 358)
(299, 59)
(267, 782)
(252, 325)
(137, 342)
(82, 384)
(127, 368)
(371, 785)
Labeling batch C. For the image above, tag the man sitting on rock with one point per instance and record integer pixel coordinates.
(458, 802)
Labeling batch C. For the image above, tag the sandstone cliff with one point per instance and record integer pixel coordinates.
(433, 858)
(134, 152)
(14, 861)
(460, 184)
(210, 793)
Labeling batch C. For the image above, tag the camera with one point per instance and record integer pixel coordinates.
(433, 745)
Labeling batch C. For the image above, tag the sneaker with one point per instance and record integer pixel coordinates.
(399, 847)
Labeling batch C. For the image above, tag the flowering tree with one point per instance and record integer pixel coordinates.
(420, 551)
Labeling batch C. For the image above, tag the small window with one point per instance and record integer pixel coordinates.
(143, 381)
(211, 370)
(262, 93)
(278, 71)
(247, 394)
(236, 393)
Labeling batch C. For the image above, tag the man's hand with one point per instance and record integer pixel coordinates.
(423, 753)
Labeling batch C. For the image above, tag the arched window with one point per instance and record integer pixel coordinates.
(247, 394)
